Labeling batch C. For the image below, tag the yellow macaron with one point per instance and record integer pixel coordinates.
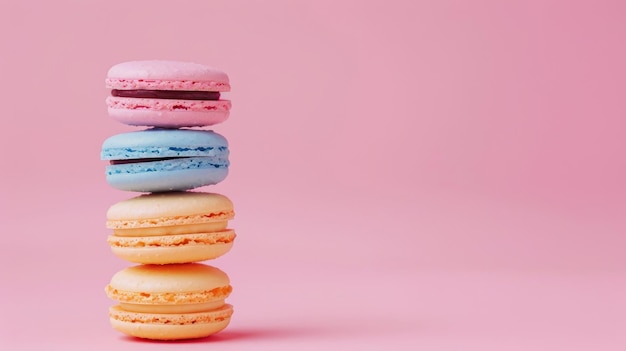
(172, 227)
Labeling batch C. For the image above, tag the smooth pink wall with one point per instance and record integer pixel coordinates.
(405, 133)
(414, 175)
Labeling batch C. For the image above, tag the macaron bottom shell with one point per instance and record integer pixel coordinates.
(172, 249)
(169, 118)
(170, 326)
(160, 179)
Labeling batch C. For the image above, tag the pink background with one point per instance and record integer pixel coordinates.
(433, 175)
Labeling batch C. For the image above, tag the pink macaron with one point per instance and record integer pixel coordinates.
(167, 94)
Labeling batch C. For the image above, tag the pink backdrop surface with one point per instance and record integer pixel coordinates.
(433, 175)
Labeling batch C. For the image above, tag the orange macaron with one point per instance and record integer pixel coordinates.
(170, 302)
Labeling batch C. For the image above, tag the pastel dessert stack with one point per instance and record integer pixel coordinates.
(167, 230)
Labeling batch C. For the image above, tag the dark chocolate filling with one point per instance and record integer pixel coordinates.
(167, 94)
(138, 160)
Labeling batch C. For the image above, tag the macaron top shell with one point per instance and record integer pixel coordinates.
(156, 142)
(180, 278)
(141, 211)
(166, 75)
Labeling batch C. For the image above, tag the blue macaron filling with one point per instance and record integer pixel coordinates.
(167, 164)
(140, 154)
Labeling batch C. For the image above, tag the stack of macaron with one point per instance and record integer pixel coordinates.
(167, 230)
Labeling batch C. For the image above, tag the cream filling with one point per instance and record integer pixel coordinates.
(181, 308)
(173, 230)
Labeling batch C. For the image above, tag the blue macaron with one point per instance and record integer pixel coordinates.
(157, 160)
